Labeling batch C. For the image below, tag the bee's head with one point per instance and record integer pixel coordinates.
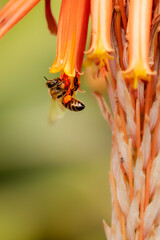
(53, 82)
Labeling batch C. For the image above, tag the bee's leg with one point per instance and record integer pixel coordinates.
(72, 91)
(76, 85)
(62, 94)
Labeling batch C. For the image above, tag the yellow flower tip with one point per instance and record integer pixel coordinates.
(136, 73)
(57, 66)
(95, 57)
(56, 69)
(70, 74)
(99, 50)
(135, 82)
(136, 79)
(60, 66)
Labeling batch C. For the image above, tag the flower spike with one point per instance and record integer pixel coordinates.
(12, 12)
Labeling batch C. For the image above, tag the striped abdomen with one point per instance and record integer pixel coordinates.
(74, 105)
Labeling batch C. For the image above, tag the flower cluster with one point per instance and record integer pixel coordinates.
(124, 52)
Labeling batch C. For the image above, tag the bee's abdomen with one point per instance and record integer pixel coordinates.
(74, 105)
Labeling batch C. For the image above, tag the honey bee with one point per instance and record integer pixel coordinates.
(59, 90)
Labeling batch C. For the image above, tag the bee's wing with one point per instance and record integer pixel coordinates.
(56, 110)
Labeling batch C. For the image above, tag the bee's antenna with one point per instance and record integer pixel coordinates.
(45, 78)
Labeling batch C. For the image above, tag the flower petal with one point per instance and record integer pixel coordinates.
(12, 12)
(71, 36)
(52, 25)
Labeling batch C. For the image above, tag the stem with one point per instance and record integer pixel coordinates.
(138, 125)
(123, 13)
(130, 170)
(119, 37)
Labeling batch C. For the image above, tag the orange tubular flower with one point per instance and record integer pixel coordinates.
(71, 36)
(100, 48)
(101, 16)
(140, 12)
(12, 12)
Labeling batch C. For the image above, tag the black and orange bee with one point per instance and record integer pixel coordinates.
(58, 90)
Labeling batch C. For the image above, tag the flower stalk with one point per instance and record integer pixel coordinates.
(132, 80)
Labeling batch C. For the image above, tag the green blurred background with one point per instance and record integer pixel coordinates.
(53, 178)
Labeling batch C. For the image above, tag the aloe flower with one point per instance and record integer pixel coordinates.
(124, 53)
(71, 38)
(138, 36)
(15, 10)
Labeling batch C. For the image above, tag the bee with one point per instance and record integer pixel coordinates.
(59, 90)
